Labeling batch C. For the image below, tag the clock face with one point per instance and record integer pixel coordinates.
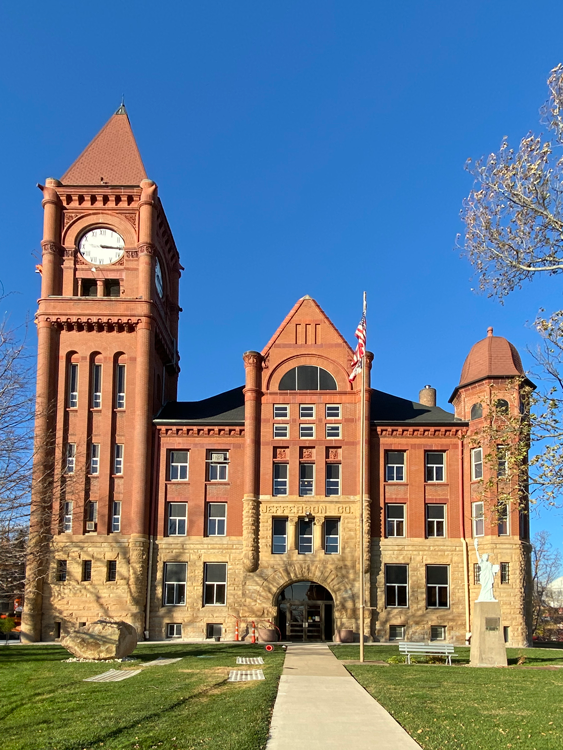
(158, 278)
(101, 246)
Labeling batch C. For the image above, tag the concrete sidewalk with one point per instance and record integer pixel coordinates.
(320, 705)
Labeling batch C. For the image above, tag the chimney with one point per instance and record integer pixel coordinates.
(427, 396)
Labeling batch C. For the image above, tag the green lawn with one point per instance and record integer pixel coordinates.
(460, 707)
(45, 705)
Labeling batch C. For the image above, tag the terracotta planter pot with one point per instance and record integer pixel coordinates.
(346, 636)
(267, 635)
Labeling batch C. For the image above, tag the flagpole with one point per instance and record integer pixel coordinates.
(362, 492)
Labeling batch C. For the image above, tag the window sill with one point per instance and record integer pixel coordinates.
(173, 605)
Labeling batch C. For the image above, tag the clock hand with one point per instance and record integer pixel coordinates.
(111, 247)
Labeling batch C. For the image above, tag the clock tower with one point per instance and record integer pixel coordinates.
(107, 325)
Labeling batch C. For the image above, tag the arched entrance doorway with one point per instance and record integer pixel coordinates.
(305, 612)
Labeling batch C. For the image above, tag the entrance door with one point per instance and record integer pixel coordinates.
(296, 626)
(305, 622)
(305, 612)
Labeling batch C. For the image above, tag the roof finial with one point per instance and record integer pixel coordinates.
(122, 110)
(490, 331)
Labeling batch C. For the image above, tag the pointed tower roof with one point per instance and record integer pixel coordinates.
(112, 158)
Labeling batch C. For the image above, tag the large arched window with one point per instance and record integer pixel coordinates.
(307, 378)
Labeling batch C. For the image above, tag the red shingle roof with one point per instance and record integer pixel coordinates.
(112, 158)
(493, 357)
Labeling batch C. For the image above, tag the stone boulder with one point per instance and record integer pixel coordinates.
(103, 639)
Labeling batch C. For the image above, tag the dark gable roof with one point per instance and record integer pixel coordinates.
(228, 409)
(225, 408)
(386, 408)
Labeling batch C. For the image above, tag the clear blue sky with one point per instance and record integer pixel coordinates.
(300, 148)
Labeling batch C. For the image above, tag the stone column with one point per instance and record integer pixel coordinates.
(146, 239)
(292, 522)
(141, 440)
(318, 534)
(251, 509)
(42, 485)
(51, 263)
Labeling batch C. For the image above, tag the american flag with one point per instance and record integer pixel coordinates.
(360, 352)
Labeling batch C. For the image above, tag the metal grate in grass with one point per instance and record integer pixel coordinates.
(160, 662)
(250, 660)
(113, 675)
(245, 675)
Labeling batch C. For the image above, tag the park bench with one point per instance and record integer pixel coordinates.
(427, 649)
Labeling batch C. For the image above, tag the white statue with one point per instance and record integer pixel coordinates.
(487, 573)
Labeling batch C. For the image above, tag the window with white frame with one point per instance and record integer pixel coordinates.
(332, 536)
(435, 520)
(67, 517)
(215, 583)
(118, 459)
(279, 536)
(73, 385)
(216, 519)
(70, 458)
(306, 479)
(395, 519)
(116, 517)
(306, 411)
(502, 461)
(333, 411)
(502, 519)
(332, 480)
(476, 574)
(478, 518)
(175, 583)
(280, 479)
(435, 466)
(437, 632)
(281, 431)
(305, 546)
(178, 465)
(306, 431)
(177, 519)
(92, 516)
(333, 431)
(174, 630)
(217, 466)
(397, 632)
(96, 386)
(281, 411)
(396, 585)
(95, 458)
(120, 387)
(395, 466)
(476, 464)
(437, 586)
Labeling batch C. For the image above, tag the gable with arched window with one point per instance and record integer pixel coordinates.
(308, 378)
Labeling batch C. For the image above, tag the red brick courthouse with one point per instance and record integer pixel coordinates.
(186, 517)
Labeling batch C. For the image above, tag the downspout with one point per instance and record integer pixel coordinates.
(154, 505)
(465, 549)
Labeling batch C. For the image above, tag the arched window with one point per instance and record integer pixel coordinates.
(502, 406)
(476, 411)
(307, 378)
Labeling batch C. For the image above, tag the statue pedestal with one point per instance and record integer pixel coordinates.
(487, 636)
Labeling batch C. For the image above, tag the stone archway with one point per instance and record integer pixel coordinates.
(272, 583)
